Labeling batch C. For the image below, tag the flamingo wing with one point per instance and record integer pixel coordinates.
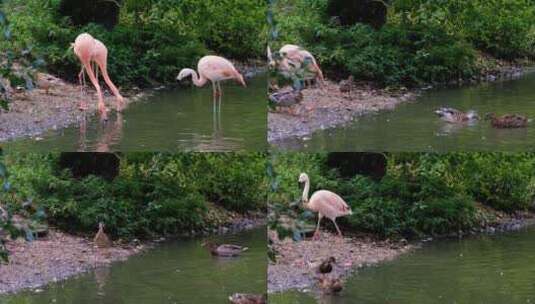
(329, 204)
(216, 68)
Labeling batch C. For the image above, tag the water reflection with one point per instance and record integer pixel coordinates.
(184, 119)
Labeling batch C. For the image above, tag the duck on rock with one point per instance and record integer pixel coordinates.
(101, 240)
(330, 285)
(507, 120)
(452, 115)
(224, 250)
(327, 265)
(346, 85)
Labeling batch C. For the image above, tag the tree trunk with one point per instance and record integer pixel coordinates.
(349, 12)
(82, 12)
(83, 164)
(350, 164)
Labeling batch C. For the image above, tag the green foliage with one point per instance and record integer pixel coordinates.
(153, 39)
(502, 28)
(11, 53)
(422, 193)
(153, 194)
(422, 42)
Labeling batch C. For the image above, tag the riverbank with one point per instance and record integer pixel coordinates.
(296, 265)
(55, 258)
(59, 255)
(53, 105)
(324, 108)
(297, 262)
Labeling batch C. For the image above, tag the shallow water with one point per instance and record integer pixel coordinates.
(414, 126)
(170, 120)
(177, 272)
(485, 269)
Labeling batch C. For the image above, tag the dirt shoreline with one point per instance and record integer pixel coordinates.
(297, 262)
(60, 256)
(32, 113)
(328, 108)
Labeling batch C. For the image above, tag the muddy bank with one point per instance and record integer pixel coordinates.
(324, 108)
(328, 107)
(297, 263)
(55, 258)
(53, 105)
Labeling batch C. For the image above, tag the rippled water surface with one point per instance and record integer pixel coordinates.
(177, 272)
(414, 127)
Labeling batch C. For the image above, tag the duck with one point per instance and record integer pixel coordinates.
(286, 98)
(345, 85)
(327, 265)
(330, 285)
(225, 250)
(452, 115)
(507, 120)
(245, 298)
(101, 240)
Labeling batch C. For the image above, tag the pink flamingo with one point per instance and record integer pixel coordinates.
(88, 50)
(326, 203)
(296, 55)
(215, 69)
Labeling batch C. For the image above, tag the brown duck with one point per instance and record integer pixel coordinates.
(101, 240)
(330, 285)
(452, 115)
(225, 250)
(346, 85)
(327, 265)
(245, 298)
(507, 120)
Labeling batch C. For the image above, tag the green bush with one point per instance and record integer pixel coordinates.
(421, 193)
(154, 193)
(422, 42)
(153, 39)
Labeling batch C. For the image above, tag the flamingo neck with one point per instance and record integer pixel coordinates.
(198, 81)
(305, 193)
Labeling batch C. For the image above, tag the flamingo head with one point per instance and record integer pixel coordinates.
(241, 80)
(184, 73)
(303, 178)
(101, 225)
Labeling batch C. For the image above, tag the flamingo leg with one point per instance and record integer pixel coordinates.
(220, 95)
(317, 232)
(102, 63)
(214, 89)
(81, 81)
(337, 229)
(101, 105)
